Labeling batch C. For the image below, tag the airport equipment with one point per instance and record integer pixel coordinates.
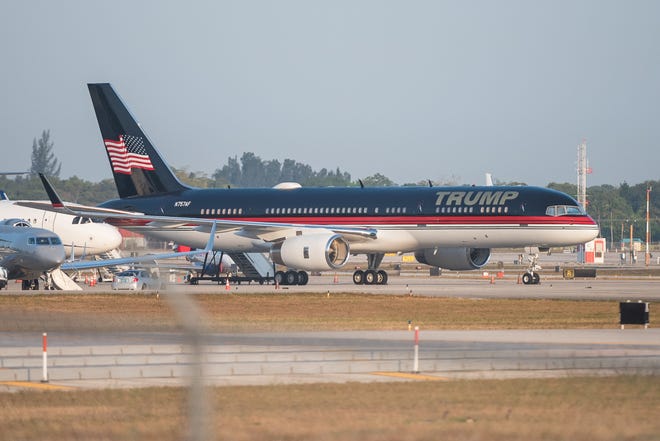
(631, 313)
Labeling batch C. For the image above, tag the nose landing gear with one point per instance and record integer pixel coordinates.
(531, 276)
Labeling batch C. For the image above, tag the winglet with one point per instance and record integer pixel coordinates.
(52, 194)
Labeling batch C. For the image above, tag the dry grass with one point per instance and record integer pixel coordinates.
(279, 312)
(616, 408)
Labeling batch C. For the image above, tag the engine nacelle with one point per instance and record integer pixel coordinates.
(311, 252)
(456, 259)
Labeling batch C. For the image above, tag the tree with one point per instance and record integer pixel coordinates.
(43, 158)
(378, 180)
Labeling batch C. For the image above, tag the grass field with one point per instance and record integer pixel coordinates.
(611, 408)
(268, 312)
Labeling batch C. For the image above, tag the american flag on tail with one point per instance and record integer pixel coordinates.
(127, 153)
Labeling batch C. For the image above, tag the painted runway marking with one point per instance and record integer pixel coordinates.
(411, 376)
(43, 386)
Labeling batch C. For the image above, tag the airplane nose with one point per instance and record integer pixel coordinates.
(112, 237)
(51, 256)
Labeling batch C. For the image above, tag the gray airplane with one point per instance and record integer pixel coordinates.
(27, 253)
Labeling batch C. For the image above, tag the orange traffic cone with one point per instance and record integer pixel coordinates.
(336, 279)
(492, 280)
(227, 287)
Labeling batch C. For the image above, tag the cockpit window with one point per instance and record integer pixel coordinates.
(44, 241)
(563, 210)
(82, 220)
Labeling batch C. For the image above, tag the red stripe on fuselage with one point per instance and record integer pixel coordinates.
(394, 220)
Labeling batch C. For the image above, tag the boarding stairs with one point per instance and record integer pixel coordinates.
(108, 272)
(62, 281)
(253, 265)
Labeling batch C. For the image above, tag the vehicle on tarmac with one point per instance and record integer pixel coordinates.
(3, 278)
(134, 280)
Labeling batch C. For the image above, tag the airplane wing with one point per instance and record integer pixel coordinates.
(79, 265)
(135, 221)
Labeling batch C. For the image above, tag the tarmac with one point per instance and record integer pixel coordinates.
(121, 360)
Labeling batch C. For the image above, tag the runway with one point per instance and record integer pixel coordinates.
(453, 285)
(159, 359)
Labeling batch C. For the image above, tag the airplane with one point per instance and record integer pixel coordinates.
(316, 229)
(81, 235)
(27, 253)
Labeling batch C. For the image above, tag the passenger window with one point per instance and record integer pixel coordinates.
(31, 241)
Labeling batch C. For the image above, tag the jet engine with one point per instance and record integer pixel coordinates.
(456, 259)
(312, 252)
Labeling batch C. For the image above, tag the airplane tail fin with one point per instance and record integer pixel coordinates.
(138, 168)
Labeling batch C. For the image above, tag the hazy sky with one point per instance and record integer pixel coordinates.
(412, 89)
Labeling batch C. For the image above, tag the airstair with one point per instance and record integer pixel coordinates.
(106, 273)
(62, 281)
(253, 265)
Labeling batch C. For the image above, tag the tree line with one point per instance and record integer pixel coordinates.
(615, 208)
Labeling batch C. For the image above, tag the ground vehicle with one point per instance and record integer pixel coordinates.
(3, 278)
(134, 280)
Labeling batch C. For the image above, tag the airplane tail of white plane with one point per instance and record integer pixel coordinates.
(138, 168)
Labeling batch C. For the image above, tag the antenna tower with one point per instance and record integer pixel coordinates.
(582, 171)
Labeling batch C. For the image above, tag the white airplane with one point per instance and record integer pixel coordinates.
(80, 235)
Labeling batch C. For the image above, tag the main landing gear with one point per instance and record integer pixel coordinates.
(372, 276)
(30, 284)
(291, 277)
(531, 276)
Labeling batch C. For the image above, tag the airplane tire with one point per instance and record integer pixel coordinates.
(303, 277)
(358, 277)
(536, 279)
(279, 278)
(291, 277)
(527, 278)
(382, 277)
(370, 277)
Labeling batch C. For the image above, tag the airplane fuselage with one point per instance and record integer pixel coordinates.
(27, 252)
(407, 218)
(80, 234)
